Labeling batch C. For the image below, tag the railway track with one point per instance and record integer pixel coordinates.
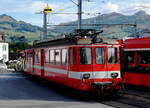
(127, 98)
(130, 99)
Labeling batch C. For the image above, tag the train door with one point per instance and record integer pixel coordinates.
(99, 63)
(80, 61)
(113, 62)
(30, 61)
(42, 62)
(72, 59)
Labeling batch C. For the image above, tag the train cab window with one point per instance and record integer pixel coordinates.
(85, 55)
(72, 56)
(64, 56)
(131, 57)
(37, 57)
(99, 54)
(52, 56)
(112, 55)
(57, 56)
(46, 56)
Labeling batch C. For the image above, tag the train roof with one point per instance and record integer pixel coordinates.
(137, 44)
(81, 36)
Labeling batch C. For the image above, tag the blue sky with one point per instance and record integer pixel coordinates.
(25, 9)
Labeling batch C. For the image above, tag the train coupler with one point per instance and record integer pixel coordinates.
(106, 83)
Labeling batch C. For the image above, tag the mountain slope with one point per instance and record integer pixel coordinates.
(141, 18)
(16, 28)
(19, 31)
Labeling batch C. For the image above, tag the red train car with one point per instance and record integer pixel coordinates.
(136, 62)
(78, 60)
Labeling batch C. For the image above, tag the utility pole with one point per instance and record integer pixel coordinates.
(45, 12)
(79, 14)
(135, 30)
(45, 26)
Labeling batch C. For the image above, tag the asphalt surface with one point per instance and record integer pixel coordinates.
(19, 91)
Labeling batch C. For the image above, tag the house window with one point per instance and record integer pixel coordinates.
(4, 57)
(4, 47)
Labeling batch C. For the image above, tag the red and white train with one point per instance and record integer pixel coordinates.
(136, 62)
(79, 60)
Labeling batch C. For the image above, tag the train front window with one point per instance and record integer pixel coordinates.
(85, 55)
(112, 55)
(99, 54)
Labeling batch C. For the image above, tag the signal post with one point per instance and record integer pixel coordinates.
(46, 11)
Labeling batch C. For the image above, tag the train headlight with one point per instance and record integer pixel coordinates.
(86, 76)
(114, 75)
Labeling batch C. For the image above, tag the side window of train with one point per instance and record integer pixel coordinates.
(47, 56)
(52, 56)
(37, 57)
(57, 56)
(29, 56)
(131, 57)
(72, 56)
(85, 55)
(112, 55)
(64, 56)
(144, 57)
(99, 54)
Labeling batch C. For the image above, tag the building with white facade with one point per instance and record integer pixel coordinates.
(4, 48)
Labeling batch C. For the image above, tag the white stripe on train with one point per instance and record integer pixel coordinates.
(77, 75)
(137, 49)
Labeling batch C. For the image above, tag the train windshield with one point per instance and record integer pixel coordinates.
(99, 54)
(85, 55)
(112, 55)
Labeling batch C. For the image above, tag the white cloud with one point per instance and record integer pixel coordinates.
(110, 7)
(135, 7)
(25, 9)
